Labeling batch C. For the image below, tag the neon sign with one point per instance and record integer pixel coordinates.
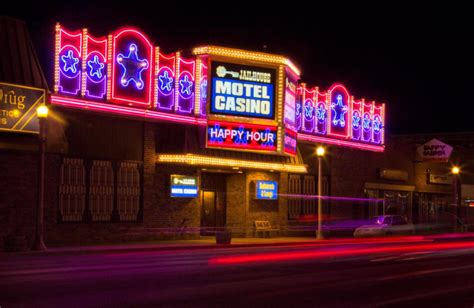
(241, 136)
(183, 186)
(266, 190)
(132, 67)
(216, 85)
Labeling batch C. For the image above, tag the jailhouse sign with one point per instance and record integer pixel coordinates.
(434, 150)
(18, 107)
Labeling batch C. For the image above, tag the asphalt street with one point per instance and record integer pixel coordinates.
(400, 272)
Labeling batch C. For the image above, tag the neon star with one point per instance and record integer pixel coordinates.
(269, 141)
(166, 82)
(132, 67)
(96, 67)
(204, 89)
(70, 62)
(186, 85)
(377, 124)
(339, 112)
(355, 120)
(321, 113)
(308, 110)
(366, 122)
(298, 109)
(214, 133)
(240, 137)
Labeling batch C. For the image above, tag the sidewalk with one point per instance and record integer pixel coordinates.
(204, 242)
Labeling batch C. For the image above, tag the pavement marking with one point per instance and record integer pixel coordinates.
(424, 272)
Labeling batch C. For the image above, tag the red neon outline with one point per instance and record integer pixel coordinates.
(170, 59)
(123, 110)
(353, 103)
(115, 36)
(339, 142)
(349, 110)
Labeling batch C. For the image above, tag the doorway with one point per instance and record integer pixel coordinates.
(213, 200)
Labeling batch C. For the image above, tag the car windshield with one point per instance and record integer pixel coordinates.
(379, 220)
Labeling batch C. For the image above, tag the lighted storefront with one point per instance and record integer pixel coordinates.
(145, 143)
(229, 119)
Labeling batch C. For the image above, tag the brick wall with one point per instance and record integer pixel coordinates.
(18, 194)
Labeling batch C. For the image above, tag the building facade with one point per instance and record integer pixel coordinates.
(145, 145)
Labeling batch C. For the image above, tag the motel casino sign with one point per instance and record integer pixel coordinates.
(246, 101)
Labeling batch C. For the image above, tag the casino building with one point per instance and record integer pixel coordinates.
(143, 143)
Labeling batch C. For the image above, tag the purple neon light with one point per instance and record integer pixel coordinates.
(330, 197)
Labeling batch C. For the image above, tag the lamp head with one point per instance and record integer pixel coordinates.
(42, 112)
(320, 151)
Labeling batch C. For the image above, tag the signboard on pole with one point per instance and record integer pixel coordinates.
(18, 107)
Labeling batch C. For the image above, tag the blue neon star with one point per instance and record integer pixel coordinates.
(96, 67)
(166, 82)
(69, 62)
(132, 67)
(308, 110)
(298, 109)
(321, 113)
(339, 111)
(203, 92)
(185, 85)
(366, 122)
(217, 128)
(355, 120)
(268, 142)
(377, 124)
(242, 139)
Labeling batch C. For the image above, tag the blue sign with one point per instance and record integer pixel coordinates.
(267, 190)
(183, 186)
(242, 90)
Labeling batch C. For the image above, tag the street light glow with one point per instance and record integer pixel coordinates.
(455, 170)
(42, 111)
(320, 151)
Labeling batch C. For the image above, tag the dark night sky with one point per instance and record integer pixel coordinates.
(419, 60)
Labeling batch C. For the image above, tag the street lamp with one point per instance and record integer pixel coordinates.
(455, 170)
(320, 153)
(42, 114)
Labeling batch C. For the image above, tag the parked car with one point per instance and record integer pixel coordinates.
(385, 225)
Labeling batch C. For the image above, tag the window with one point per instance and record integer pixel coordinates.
(100, 190)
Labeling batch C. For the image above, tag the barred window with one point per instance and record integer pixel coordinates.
(72, 189)
(128, 191)
(101, 193)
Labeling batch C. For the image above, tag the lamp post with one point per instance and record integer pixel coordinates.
(455, 170)
(42, 114)
(320, 153)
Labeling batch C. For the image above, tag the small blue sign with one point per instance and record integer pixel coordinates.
(184, 186)
(267, 190)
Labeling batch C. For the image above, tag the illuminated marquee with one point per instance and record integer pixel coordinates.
(242, 90)
(335, 117)
(241, 136)
(126, 74)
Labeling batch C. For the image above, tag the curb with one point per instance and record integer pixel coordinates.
(158, 247)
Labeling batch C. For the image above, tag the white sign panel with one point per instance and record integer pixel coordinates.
(434, 150)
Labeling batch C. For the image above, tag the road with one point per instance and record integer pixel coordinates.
(401, 272)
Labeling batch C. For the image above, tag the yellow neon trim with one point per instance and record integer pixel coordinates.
(200, 160)
(246, 55)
